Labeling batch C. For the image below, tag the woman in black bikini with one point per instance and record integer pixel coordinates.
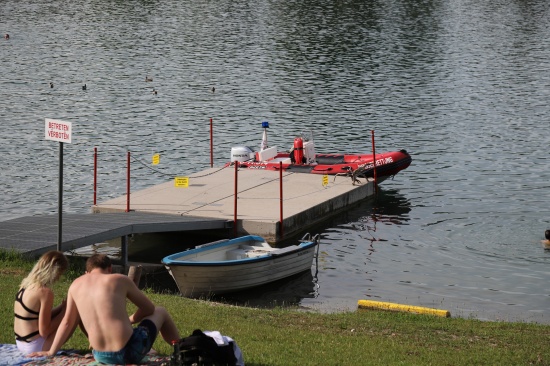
(36, 320)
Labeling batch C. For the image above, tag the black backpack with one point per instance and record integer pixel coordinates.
(201, 350)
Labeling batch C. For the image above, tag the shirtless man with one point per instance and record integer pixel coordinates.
(98, 300)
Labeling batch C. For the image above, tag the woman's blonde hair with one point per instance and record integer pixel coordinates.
(46, 271)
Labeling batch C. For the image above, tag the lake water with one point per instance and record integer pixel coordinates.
(463, 85)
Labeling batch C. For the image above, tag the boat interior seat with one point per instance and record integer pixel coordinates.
(266, 154)
(256, 250)
(246, 251)
(282, 160)
(257, 253)
(236, 254)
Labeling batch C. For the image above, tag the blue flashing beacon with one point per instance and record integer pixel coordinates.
(265, 124)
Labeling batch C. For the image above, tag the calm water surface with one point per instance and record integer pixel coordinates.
(462, 85)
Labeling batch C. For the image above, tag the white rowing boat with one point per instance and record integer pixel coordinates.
(237, 264)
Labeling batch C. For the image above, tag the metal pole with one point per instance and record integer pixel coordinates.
(235, 203)
(374, 162)
(124, 252)
(95, 176)
(211, 145)
(128, 184)
(60, 200)
(281, 198)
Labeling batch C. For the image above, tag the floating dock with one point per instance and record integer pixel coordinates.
(301, 200)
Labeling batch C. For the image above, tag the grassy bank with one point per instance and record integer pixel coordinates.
(291, 337)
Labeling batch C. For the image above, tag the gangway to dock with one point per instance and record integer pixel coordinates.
(34, 235)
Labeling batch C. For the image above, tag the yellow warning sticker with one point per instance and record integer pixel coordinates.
(181, 182)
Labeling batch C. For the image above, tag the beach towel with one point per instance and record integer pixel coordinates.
(10, 355)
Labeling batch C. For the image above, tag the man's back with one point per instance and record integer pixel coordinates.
(101, 302)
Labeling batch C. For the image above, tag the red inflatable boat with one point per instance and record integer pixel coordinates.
(303, 159)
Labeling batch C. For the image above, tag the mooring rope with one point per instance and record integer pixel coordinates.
(171, 175)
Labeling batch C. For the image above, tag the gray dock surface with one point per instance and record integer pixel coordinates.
(210, 194)
(38, 234)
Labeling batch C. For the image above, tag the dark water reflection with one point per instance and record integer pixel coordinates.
(463, 86)
(288, 292)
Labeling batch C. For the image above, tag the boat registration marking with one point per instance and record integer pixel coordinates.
(386, 160)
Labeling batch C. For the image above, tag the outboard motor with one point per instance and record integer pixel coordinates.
(241, 154)
(298, 150)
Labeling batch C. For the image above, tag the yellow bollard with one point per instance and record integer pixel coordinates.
(370, 304)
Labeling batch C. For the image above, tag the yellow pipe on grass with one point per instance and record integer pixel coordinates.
(370, 304)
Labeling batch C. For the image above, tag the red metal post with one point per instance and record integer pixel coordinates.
(281, 198)
(235, 204)
(128, 184)
(95, 176)
(374, 161)
(211, 145)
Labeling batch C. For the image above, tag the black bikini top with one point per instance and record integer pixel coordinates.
(19, 299)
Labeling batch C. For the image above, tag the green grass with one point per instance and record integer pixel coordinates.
(292, 337)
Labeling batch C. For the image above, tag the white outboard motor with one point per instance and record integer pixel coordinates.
(241, 154)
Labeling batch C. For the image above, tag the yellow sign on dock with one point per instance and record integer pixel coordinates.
(325, 180)
(181, 182)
